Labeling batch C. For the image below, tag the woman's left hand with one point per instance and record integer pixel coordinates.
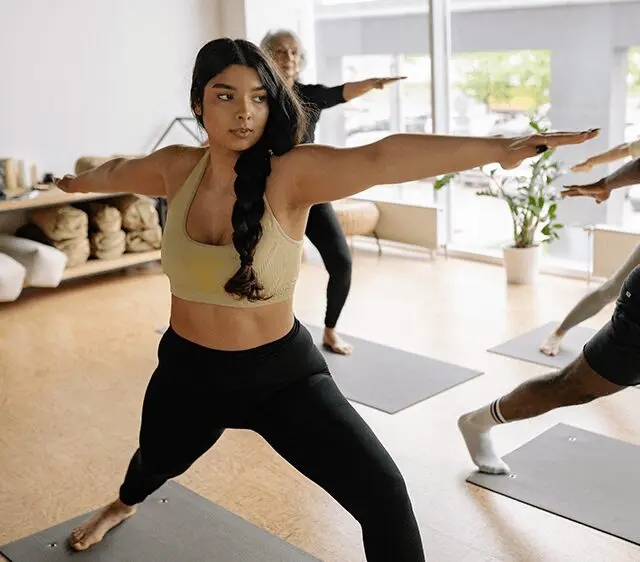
(64, 183)
(598, 190)
(380, 83)
(518, 149)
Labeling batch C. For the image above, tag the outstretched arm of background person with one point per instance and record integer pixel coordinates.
(616, 153)
(626, 175)
(324, 173)
(353, 90)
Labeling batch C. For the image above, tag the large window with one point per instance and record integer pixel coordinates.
(631, 217)
(495, 88)
(356, 45)
(492, 94)
(402, 107)
(369, 117)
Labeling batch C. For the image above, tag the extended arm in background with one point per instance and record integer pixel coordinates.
(353, 90)
(625, 176)
(616, 153)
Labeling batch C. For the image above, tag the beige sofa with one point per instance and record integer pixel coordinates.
(358, 218)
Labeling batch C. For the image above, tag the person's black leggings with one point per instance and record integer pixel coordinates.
(284, 392)
(325, 233)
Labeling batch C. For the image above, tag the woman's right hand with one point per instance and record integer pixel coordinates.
(518, 149)
(64, 183)
(598, 190)
(585, 166)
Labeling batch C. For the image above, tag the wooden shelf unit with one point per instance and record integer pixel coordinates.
(52, 198)
(56, 197)
(94, 266)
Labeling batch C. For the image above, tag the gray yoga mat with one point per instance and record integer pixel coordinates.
(173, 524)
(387, 378)
(582, 476)
(527, 346)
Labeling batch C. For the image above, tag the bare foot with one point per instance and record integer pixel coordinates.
(93, 530)
(333, 342)
(551, 346)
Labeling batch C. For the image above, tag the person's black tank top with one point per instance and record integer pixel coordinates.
(315, 98)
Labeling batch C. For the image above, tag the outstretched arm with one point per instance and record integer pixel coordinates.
(616, 153)
(626, 175)
(324, 173)
(353, 90)
(325, 97)
(145, 176)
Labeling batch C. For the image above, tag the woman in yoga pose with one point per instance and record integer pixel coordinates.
(596, 300)
(235, 356)
(609, 362)
(323, 229)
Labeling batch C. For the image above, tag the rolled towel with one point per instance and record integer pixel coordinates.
(45, 265)
(105, 218)
(144, 240)
(108, 245)
(76, 249)
(138, 212)
(61, 223)
(12, 277)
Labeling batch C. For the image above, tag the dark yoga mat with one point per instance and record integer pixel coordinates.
(582, 476)
(185, 528)
(387, 378)
(527, 346)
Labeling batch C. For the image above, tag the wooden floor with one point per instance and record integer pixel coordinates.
(74, 364)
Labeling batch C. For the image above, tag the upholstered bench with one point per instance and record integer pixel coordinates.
(358, 218)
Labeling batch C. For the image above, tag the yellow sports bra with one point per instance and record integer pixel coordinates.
(198, 272)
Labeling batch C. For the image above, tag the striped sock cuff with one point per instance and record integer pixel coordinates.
(495, 412)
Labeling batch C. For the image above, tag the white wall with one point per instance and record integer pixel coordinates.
(83, 77)
(252, 19)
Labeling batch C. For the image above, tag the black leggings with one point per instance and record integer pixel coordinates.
(284, 392)
(325, 233)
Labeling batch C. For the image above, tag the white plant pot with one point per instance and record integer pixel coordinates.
(521, 264)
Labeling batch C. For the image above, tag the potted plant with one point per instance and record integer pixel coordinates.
(532, 202)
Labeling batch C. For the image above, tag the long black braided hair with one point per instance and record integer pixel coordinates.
(282, 132)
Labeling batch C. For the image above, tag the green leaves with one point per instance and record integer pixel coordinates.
(531, 200)
(486, 193)
(536, 126)
(442, 181)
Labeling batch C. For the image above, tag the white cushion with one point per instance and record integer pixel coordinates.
(44, 264)
(12, 276)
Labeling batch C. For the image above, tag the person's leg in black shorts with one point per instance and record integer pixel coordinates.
(609, 362)
(325, 233)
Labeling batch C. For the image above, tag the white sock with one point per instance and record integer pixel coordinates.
(476, 428)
